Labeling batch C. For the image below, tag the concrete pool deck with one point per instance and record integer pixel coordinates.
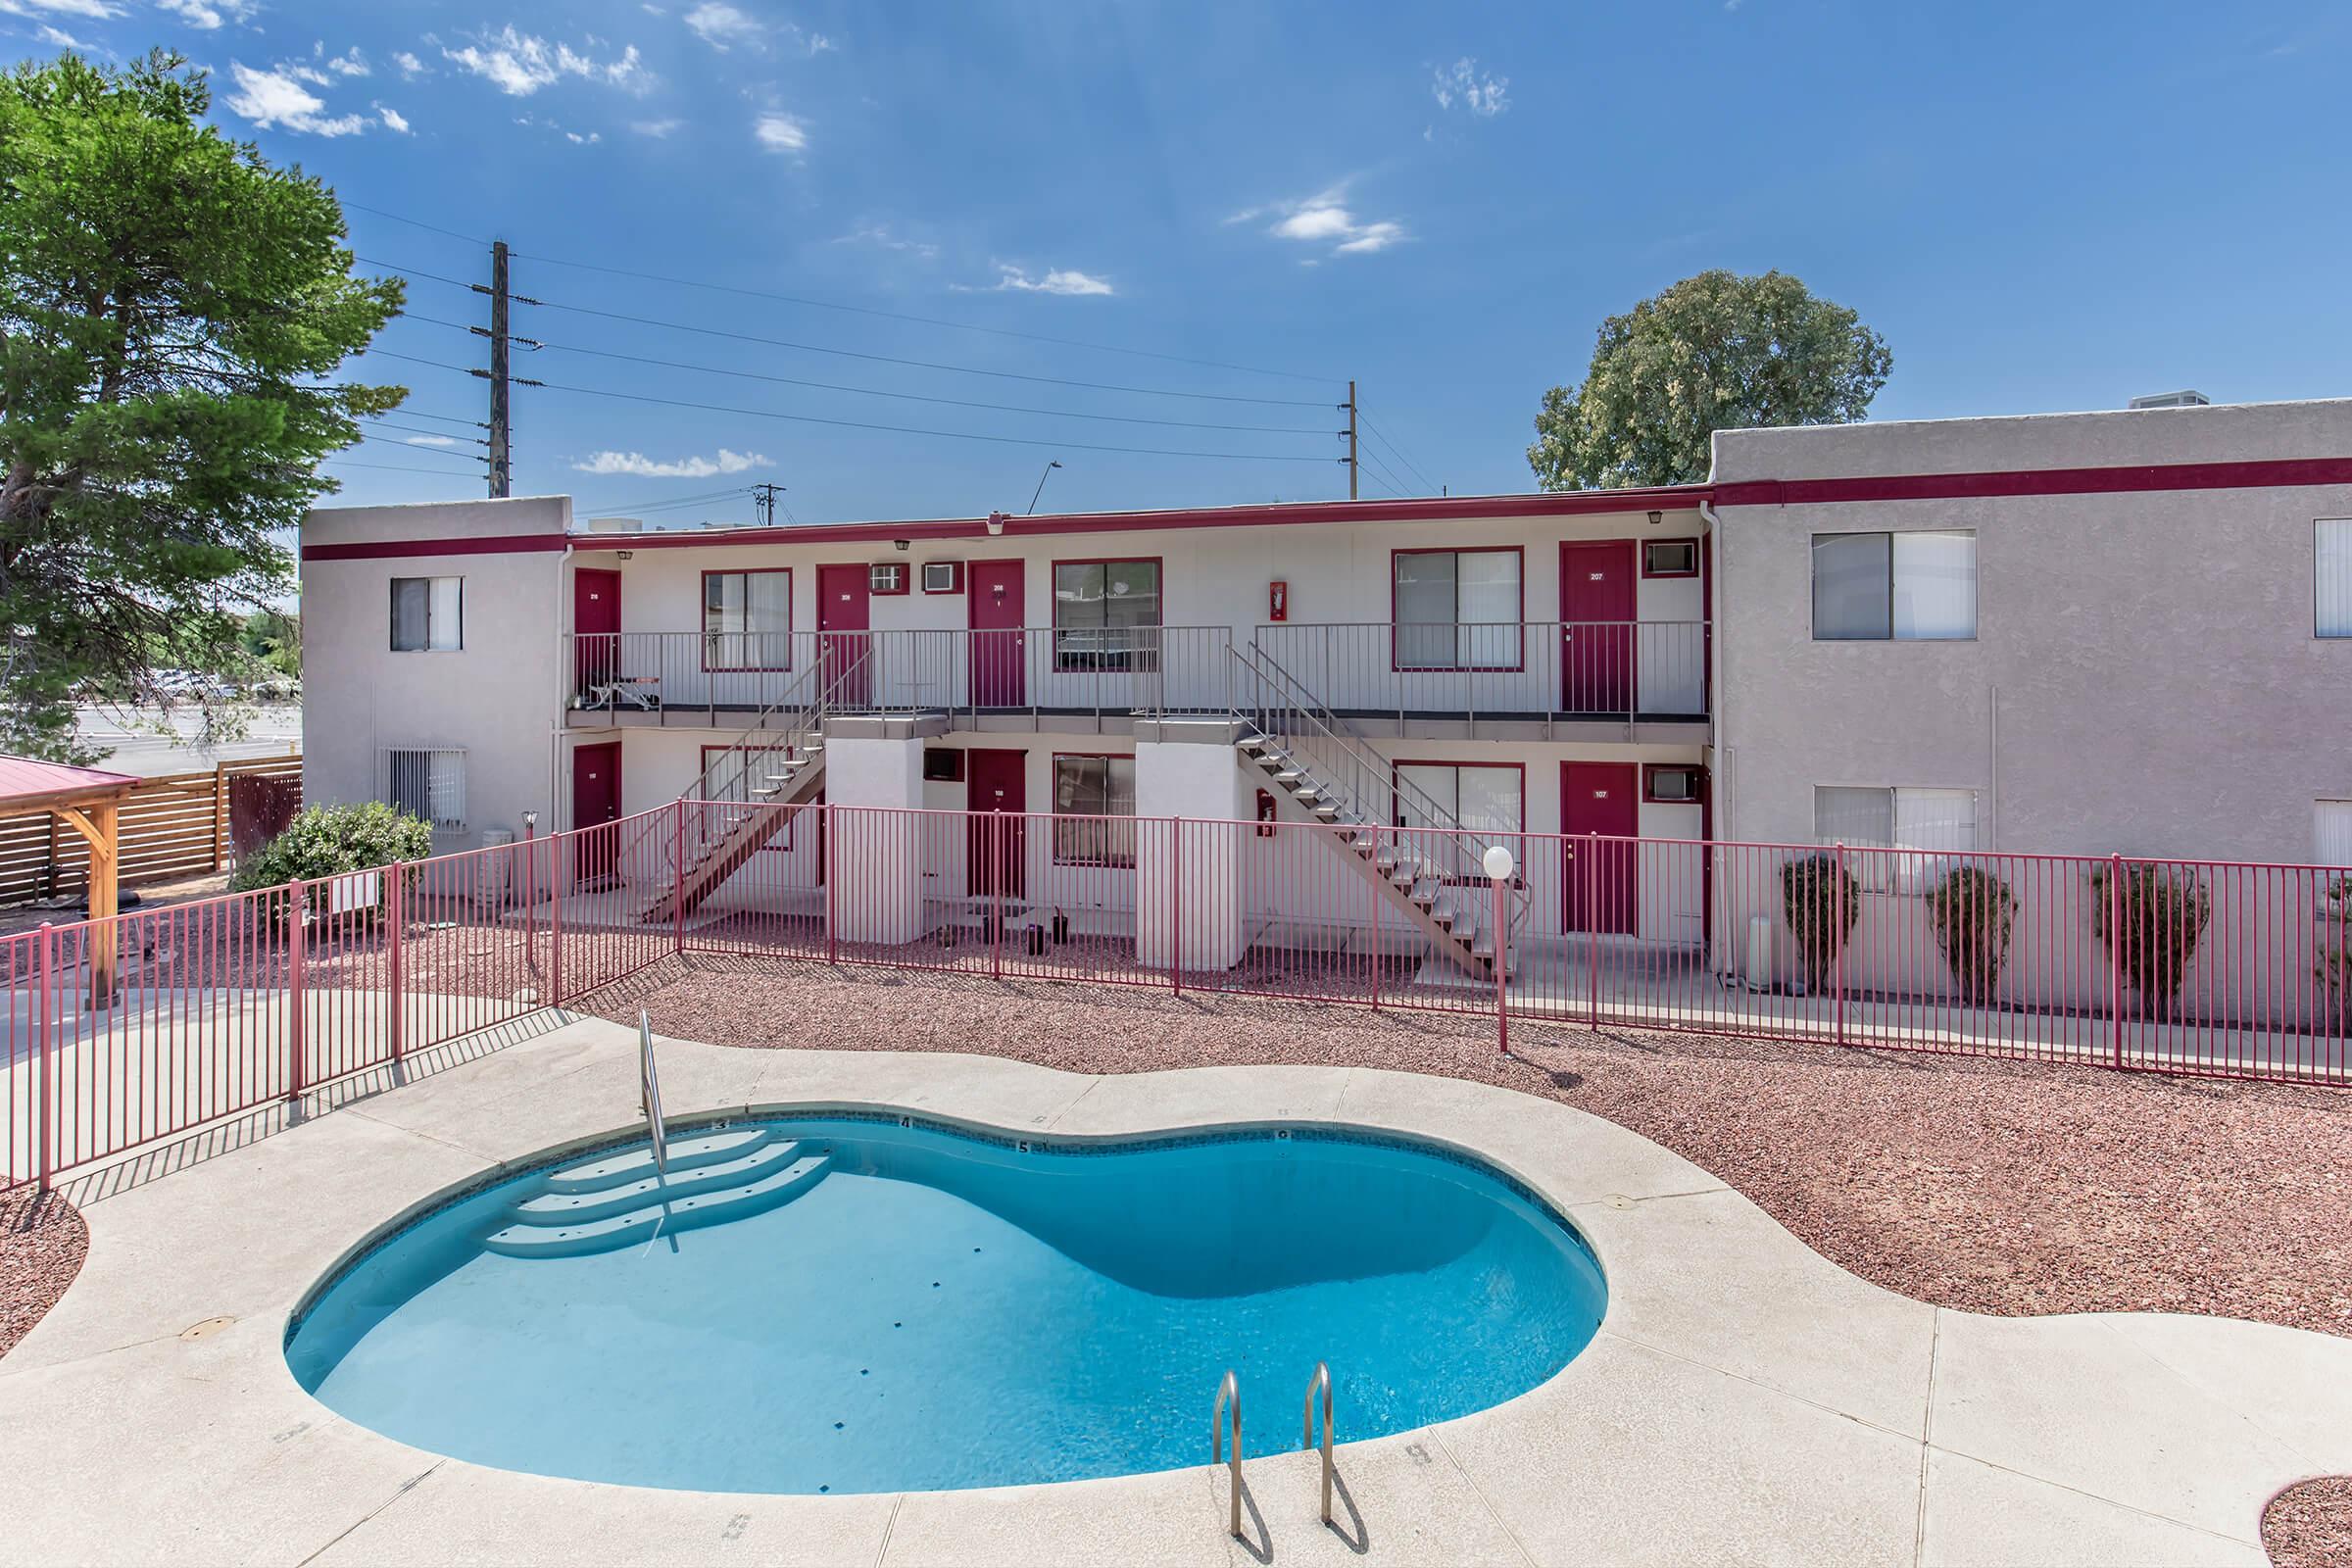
(1746, 1401)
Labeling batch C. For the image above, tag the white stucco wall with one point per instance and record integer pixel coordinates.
(496, 697)
(2144, 677)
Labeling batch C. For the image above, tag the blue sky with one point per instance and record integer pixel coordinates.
(2040, 206)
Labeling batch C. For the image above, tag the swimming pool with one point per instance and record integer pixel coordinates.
(881, 1303)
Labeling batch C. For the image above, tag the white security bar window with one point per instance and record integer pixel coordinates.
(1903, 587)
(425, 783)
(1106, 614)
(426, 615)
(1090, 796)
(1484, 798)
(2332, 833)
(747, 619)
(2331, 570)
(1457, 610)
(1936, 823)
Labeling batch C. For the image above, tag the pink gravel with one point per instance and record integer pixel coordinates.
(42, 1243)
(2009, 1188)
(2310, 1526)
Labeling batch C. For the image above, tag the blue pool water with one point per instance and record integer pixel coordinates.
(866, 1305)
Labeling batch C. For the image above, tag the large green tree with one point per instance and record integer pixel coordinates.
(1715, 351)
(170, 309)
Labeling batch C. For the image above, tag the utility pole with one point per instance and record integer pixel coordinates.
(500, 465)
(764, 494)
(1352, 470)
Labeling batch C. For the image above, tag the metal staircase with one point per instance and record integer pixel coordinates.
(753, 788)
(1324, 774)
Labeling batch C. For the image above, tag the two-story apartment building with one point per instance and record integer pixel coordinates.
(2091, 632)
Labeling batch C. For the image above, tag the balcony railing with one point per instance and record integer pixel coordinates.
(689, 677)
(1528, 672)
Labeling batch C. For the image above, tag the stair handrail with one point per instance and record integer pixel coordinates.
(649, 1088)
(1267, 678)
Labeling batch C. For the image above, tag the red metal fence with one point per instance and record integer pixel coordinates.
(228, 1004)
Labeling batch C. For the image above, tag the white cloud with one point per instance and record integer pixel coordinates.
(655, 129)
(274, 98)
(1484, 95)
(410, 68)
(59, 37)
(393, 119)
(578, 140)
(879, 234)
(519, 64)
(637, 463)
(1057, 280)
(1326, 217)
(94, 10)
(721, 25)
(432, 441)
(350, 63)
(780, 132)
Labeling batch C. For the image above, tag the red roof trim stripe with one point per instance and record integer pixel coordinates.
(1427, 508)
(2282, 472)
(489, 544)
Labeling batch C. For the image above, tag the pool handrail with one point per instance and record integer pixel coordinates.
(1228, 1391)
(1321, 1381)
(648, 1081)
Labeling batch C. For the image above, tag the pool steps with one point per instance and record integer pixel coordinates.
(615, 1200)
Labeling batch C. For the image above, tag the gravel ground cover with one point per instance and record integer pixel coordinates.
(1998, 1187)
(2310, 1526)
(42, 1243)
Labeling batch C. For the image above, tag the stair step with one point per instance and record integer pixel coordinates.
(578, 1208)
(676, 1214)
(685, 1154)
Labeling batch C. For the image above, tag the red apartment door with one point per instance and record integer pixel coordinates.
(1603, 798)
(1596, 626)
(844, 614)
(997, 782)
(595, 801)
(999, 657)
(596, 626)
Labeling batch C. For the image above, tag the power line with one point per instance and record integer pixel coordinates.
(387, 441)
(853, 310)
(407, 412)
(419, 429)
(390, 468)
(875, 392)
(950, 435)
(1398, 454)
(877, 359)
(1387, 475)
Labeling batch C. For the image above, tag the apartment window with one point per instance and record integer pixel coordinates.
(425, 782)
(1933, 822)
(2332, 833)
(1094, 811)
(1482, 797)
(1456, 610)
(426, 615)
(1106, 614)
(1904, 587)
(1670, 558)
(2332, 572)
(747, 619)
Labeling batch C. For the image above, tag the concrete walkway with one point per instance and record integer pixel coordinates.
(1745, 1401)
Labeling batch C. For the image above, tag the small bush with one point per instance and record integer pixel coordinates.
(2163, 914)
(1973, 913)
(328, 840)
(1815, 894)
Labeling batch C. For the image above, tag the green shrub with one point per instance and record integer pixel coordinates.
(1974, 915)
(2163, 914)
(1816, 895)
(326, 841)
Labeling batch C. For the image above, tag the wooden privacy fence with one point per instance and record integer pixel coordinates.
(174, 825)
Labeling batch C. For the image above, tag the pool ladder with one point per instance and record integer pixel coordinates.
(1229, 1405)
(649, 1090)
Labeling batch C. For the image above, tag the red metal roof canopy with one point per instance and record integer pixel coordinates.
(28, 785)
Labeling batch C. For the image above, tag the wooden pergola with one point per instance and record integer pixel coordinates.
(88, 801)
